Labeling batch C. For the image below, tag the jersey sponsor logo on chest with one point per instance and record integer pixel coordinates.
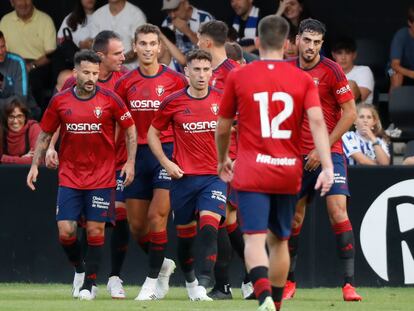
(83, 128)
(144, 105)
(198, 127)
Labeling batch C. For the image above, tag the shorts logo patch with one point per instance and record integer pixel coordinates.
(98, 202)
(120, 185)
(218, 195)
(57, 210)
(338, 179)
(163, 175)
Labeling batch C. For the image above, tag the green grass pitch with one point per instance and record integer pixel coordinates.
(48, 297)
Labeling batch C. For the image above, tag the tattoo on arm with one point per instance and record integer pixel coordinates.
(131, 142)
(41, 146)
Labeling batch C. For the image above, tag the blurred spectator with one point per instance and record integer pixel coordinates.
(409, 153)
(31, 34)
(123, 18)
(185, 20)
(245, 22)
(170, 55)
(235, 52)
(78, 23)
(61, 79)
(367, 144)
(19, 133)
(291, 50)
(232, 38)
(344, 51)
(402, 54)
(294, 11)
(13, 78)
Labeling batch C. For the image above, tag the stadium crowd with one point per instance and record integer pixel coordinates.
(179, 94)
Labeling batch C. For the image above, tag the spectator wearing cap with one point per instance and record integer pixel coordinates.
(185, 20)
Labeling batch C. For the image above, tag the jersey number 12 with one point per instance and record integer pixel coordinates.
(272, 128)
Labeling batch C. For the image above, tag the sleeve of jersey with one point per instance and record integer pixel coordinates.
(68, 83)
(312, 95)
(181, 82)
(163, 116)
(228, 104)
(121, 112)
(350, 144)
(50, 120)
(342, 90)
(119, 89)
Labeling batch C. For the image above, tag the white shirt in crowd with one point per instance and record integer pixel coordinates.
(363, 77)
(81, 33)
(353, 142)
(124, 23)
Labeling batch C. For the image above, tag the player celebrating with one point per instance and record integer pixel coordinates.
(108, 46)
(86, 115)
(196, 190)
(211, 38)
(147, 198)
(338, 106)
(270, 114)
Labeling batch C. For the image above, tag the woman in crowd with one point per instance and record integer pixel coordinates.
(19, 133)
(367, 144)
(77, 21)
(294, 11)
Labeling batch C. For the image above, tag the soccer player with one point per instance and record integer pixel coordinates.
(339, 111)
(86, 115)
(108, 46)
(196, 190)
(147, 198)
(271, 109)
(212, 37)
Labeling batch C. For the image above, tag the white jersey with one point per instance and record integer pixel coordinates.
(353, 142)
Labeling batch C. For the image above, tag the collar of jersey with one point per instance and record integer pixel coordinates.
(197, 98)
(163, 68)
(84, 99)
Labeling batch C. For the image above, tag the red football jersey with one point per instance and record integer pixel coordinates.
(218, 80)
(143, 95)
(334, 90)
(87, 132)
(219, 76)
(194, 122)
(109, 83)
(271, 109)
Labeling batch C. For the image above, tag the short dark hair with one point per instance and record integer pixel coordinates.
(216, 30)
(197, 54)
(101, 41)
(12, 103)
(1, 35)
(344, 43)
(273, 31)
(87, 56)
(312, 25)
(234, 51)
(146, 29)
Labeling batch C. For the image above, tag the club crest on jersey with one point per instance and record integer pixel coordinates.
(159, 89)
(213, 82)
(214, 108)
(316, 81)
(97, 112)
